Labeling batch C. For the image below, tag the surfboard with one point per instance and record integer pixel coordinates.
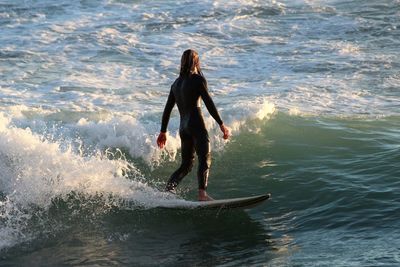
(231, 203)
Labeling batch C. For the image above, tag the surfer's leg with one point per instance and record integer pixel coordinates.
(187, 153)
(202, 145)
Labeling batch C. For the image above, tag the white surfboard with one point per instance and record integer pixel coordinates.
(231, 203)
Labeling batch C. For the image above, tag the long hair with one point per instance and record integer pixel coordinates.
(190, 62)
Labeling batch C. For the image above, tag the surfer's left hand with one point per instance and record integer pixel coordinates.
(161, 140)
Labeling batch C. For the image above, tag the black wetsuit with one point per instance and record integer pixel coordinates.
(186, 93)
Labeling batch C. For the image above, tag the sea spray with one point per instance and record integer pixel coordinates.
(36, 172)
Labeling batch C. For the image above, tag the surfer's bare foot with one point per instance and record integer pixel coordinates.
(203, 196)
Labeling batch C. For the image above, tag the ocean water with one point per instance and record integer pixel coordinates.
(309, 88)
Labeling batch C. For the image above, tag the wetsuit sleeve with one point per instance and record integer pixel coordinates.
(209, 102)
(167, 111)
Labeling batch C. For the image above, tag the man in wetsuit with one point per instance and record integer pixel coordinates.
(186, 92)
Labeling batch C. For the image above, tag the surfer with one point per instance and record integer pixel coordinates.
(186, 92)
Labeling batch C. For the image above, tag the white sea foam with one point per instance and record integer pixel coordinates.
(34, 172)
(127, 132)
(139, 137)
(268, 40)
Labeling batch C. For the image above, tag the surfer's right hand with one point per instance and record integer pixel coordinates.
(225, 131)
(161, 140)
